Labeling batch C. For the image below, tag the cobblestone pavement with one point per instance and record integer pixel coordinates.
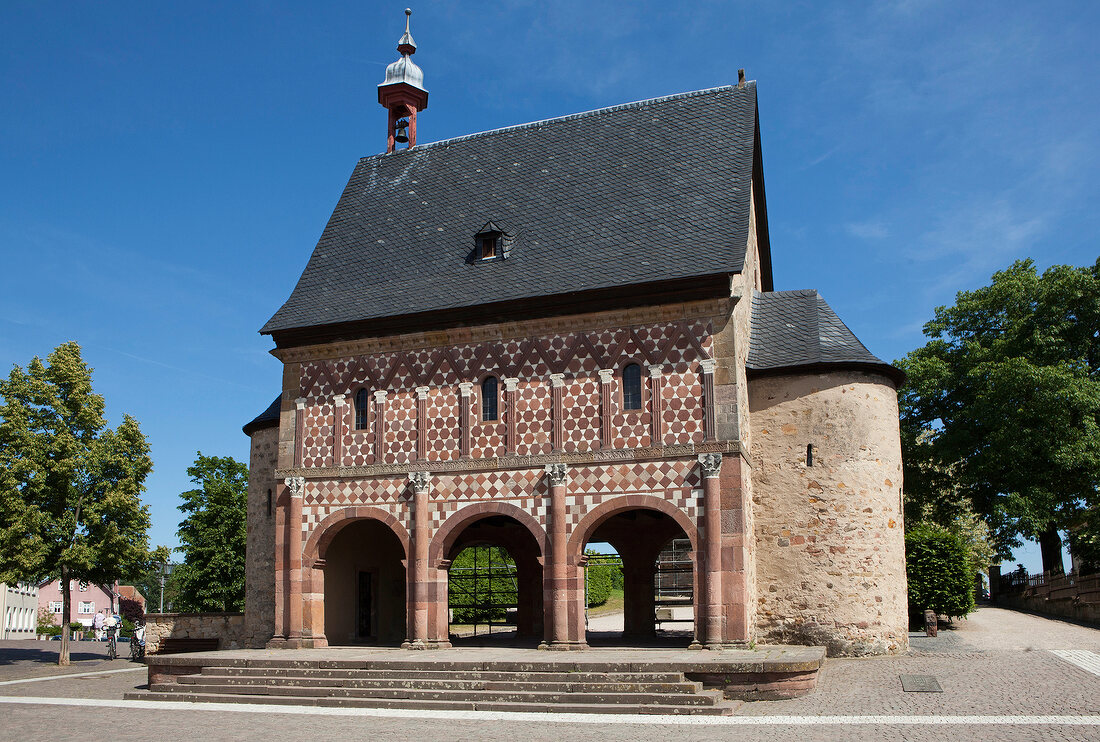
(996, 664)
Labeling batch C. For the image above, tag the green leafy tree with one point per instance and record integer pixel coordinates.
(939, 572)
(148, 582)
(1000, 414)
(213, 537)
(482, 584)
(70, 488)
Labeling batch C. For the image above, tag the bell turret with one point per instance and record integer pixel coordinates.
(403, 93)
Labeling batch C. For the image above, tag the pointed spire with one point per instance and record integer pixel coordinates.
(405, 44)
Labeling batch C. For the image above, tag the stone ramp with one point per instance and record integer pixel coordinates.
(594, 681)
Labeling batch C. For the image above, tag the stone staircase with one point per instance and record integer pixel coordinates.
(451, 687)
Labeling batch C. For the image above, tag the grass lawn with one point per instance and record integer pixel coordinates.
(614, 604)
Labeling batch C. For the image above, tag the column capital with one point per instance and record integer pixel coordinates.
(300, 403)
(557, 380)
(465, 388)
(421, 481)
(655, 370)
(422, 392)
(339, 399)
(707, 365)
(380, 396)
(711, 464)
(296, 485)
(606, 375)
(510, 384)
(558, 474)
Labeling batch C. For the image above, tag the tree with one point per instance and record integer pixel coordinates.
(1001, 410)
(148, 582)
(213, 536)
(938, 571)
(70, 488)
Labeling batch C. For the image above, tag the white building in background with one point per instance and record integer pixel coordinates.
(18, 606)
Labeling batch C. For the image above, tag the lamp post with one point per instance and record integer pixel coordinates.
(165, 570)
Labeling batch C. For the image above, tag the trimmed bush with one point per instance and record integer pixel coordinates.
(937, 566)
(599, 583)
(484, 599)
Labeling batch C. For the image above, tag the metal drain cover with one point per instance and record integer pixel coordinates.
(920, 684)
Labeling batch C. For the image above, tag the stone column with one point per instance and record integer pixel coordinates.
(421, 423)
(607, 379)
(418, 602)
(465, 390)
(710, 410)
(711, 466)
(379, 426)
(511, 401)
(299, 430)
(557, 477)
(656, 407)
(296, 486)
(338, 414)
(557, 382)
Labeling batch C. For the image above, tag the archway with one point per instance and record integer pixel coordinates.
(362, 561)
(655, 545)
(508, 551)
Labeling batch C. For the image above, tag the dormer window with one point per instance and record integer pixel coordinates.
(488, 246)
(491, 242)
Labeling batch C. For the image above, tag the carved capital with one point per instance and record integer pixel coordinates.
(465, 388)
(422, 392)
(296, 485)
(510, 384)
(606, 375)
(421, 481)
(558, 474)
(380, 396)
(339, 399)
(707, 365)
(711, 464)
(300, 403)
(655, 371)
(557, 380)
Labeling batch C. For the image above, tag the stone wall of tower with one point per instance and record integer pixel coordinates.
(830, 547)
(260, 549)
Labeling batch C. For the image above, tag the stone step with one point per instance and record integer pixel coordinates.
(724, 709)
(529, 696)
(421, 674)
(558, 686)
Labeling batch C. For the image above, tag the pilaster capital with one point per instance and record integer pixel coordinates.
(300, 403)
(339, 399)
(380, 396)
(557, 380)
(711, 464)
(655, 371)
(422, 392)
(558, 474)
(296, 485)
(707, 365)
(606, 375)
(510, 384)
(465, 388)
(421, 482)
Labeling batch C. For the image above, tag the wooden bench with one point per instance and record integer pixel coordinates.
(181, 646)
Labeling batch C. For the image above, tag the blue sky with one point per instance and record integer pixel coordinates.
(168, 167)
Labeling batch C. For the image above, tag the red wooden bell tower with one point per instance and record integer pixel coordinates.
(403, 93)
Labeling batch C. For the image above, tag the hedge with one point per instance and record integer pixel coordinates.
(937, 566)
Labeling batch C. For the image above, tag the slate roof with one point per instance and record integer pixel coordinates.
(792, 329)
(265, 419)
(632, 194)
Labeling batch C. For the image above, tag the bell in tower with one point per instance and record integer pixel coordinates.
(403, 93)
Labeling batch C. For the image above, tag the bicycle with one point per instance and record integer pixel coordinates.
(137, 643)
(112, 647)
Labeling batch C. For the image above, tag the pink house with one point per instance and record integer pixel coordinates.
(87, 599)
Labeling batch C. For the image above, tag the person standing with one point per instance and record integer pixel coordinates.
(97, 625)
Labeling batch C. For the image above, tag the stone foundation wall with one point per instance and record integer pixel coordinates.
(228, 627)
(830, 545)
(259, 579)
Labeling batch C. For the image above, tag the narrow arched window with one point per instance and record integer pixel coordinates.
(632, 387)
(489, 398)
(362, 398)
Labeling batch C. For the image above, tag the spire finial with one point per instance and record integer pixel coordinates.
(406, 45)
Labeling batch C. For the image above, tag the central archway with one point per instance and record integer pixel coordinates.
(516, 541)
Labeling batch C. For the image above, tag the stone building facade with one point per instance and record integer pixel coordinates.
(556, 334)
